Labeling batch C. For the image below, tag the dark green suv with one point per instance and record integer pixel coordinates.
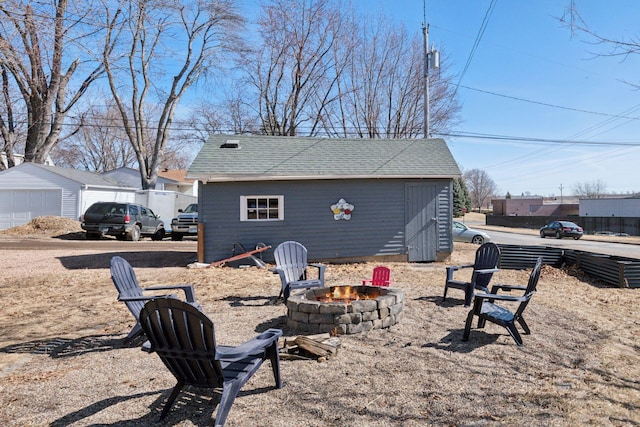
(126, 221)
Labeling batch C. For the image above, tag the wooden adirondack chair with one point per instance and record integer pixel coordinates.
(291, 266)
(130, 292)
(381, 277)
(486, 309)
(486, 263)
(183, 338)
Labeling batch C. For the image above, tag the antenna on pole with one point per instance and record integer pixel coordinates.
(431, 60)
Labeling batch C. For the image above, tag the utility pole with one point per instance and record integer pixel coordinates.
(425, 32)
(431, 60)
(561, 187)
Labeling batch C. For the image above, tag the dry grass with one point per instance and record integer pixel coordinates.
(61, 362)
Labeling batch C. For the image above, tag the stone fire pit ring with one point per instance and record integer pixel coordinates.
(305, 313)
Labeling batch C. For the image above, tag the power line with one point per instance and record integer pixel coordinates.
(579, 110)
(472, 135)
(476, 43)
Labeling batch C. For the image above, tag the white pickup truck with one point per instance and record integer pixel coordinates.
(186, 223)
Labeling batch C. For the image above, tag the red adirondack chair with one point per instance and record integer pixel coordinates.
(381, 277)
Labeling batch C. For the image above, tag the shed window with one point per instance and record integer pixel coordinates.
(261, 208)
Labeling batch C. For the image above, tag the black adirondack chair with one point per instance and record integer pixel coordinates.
(183, 337)
(486, 263)
(485, 307)
(291, 265)
(130, 292)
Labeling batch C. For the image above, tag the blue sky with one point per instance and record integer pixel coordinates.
(525, 53)
(531, 78)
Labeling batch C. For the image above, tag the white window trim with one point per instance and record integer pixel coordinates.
(243, 208)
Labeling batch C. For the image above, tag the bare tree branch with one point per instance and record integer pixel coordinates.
(200, 32)
(33, 44)
(481, 187)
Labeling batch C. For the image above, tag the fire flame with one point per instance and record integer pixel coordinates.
(345, 294)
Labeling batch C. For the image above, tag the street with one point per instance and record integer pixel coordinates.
(603, 245)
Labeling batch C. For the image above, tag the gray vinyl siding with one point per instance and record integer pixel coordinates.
(28, 177)
(445, 218)
(376, 227)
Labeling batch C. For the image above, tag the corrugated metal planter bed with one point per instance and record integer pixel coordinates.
(614, 270)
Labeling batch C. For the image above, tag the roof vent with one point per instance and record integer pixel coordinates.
(231, 143)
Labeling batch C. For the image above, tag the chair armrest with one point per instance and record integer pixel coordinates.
(256, 344)
(458, 267)
(144, 298)
(487, 271)
(453, 268)
(498, 297)
(189, 293)
(507, 288)
(321, 268)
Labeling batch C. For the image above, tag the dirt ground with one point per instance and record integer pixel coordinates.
(62, 361)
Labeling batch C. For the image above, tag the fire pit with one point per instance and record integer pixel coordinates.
(345, 309)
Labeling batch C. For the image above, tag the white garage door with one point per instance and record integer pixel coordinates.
(18, 207)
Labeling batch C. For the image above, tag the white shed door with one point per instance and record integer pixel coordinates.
(18, 207)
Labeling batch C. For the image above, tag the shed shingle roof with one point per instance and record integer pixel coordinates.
(269, 157)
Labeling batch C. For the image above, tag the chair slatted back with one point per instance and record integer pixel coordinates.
(183, 337)
(531, 287)
(125, 281)
(381, 276)
(487, 257)
(291, 257)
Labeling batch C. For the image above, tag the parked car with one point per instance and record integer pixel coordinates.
(186, 223)
(462, 233)
(560, 229)
(125, 221)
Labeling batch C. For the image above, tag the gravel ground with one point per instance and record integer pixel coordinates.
(62, 361)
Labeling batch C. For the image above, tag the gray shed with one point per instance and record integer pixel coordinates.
(343, 199)
(30, 190)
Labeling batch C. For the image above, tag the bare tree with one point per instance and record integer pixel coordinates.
(612, 46)
(595, 189)
(384, 83)
(155, 50)
(481, 187)
(100, 143)
(35, 40)
(319, 71)
(294, 71)
(232, 115)
(10, 126)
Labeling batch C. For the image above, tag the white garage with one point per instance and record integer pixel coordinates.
(20, 206)
(30, 190)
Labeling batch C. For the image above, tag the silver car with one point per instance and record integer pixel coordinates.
(462, 233)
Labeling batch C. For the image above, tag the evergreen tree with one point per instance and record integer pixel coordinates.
(461, 198)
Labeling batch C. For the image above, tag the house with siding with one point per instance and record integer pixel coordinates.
(131, 178)
(343, 199)
(29, 190)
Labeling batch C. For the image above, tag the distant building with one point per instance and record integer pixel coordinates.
(532, 206)
(516, 206)
(621, 208)
(168, 180)
(19, 158)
